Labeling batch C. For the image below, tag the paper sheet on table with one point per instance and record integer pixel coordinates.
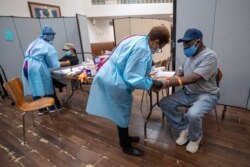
(164, 74)
(68, 71)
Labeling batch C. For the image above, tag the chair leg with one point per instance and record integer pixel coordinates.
(202, 141)
(223, 112)
(142, 100)
(163, 117)
(52, 119)
(33, 119)
(67, 91)
(217, 120)
(24, 139)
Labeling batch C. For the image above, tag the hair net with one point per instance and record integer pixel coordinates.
(47, 33)
(47, 30)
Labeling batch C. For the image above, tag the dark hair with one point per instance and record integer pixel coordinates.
(74, 50)
(161, 33)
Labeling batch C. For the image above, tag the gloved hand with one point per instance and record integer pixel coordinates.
(157, 84)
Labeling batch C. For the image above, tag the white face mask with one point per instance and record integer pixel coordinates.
(50, 37)
(157, 50)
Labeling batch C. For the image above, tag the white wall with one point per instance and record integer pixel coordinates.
(136, 26)
(126, 10)
(100, 30)
(84, 7)
(21, 8)
(226, 28)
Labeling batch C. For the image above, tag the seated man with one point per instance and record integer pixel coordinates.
(197, 75)
(69, 59)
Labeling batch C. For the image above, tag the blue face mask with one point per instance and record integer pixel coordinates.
(189, 52)
(68, 53)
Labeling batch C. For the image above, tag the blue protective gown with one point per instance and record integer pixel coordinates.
(127, 69)
(41, 57)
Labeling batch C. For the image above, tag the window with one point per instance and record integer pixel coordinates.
(109, 2)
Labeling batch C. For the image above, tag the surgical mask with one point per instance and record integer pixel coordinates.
(48, 38)
(153, 50)
(190, 51)
(68, 53)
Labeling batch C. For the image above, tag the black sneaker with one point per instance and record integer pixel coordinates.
(133, 151)
(55, 108)
(59, 107)
(52, 109)
(42, 111)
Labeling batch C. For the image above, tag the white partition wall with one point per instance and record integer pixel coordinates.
(26, 34)
(139, 26)
(72, 35)
(194, 13)
(122, 29)
(226, 28)
(84, 35)
(60, 37)
(11, 57)
(17, 33)
(248, 102)
(231, 41)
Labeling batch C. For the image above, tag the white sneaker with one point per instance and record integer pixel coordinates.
(183, 138)
(193, 146)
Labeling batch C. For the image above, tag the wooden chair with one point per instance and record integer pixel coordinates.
(15, 89)
(4, 94)
(218, 79)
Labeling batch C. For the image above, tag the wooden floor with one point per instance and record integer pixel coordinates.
(85, 140)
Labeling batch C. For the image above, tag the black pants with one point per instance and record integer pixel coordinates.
(58, 85)
(57, 102)
(124, 137)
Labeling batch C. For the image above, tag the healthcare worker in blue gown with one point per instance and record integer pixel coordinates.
(39, 58)
(127, 69)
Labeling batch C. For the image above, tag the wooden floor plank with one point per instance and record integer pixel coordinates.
(81, 139)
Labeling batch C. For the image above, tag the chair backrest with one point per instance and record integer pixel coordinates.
(15, 89)
(164, 63)
(3, 79)
(219, 77)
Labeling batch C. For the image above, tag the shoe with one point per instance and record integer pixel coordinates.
(193, 146)
(183, 138)
(52, 109)
(58, 107)
(133, 151)
(134, 139)
(42, 111)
